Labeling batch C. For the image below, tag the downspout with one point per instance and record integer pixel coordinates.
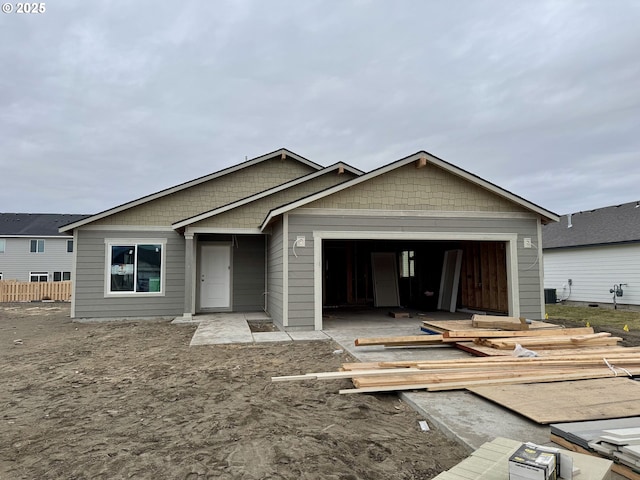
(266, 274)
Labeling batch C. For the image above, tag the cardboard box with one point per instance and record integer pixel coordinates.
(531, 462)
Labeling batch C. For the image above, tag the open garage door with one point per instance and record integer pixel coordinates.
(348, 276)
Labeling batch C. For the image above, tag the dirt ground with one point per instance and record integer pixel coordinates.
(133, 400)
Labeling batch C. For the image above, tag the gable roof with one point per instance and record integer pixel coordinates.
(607, 225)
(252, 198)
(35, 224)
(421, 156)
(191, 183)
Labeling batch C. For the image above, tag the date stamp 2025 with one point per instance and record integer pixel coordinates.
(26, 8)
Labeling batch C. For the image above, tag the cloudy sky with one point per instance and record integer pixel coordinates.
(102, 102)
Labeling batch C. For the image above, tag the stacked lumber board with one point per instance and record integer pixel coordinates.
(551, 341)
(462, 374)
(441, 326)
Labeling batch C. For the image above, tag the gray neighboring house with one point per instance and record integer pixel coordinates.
(282, 234)
(32, 249)
(589, 253)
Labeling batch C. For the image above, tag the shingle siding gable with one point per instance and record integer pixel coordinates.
(254, 213)
(427, 188)
(209, 195)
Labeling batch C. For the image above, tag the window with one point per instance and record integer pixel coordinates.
(69, 246)
(0, 275)
(407, 264)
(38, 276)
(2, 245)
(60, 276)
(135, 268)
(37, 246)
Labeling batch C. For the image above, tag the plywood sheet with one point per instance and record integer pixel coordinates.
(568, 401)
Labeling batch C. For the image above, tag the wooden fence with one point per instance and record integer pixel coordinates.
(12, 291)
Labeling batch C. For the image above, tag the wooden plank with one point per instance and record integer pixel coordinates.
(444, 325)
(571, 401)
(503, 323)
(398, 341)
(435, 387)
(484, 351)
(455, 335)
(345, 374)
(397, 314)
(549, 342)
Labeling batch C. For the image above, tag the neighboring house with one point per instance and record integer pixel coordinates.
(32, 249)
(282, 234)
(587, 254)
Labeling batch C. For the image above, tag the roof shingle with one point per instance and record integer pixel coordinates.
(614, 224)
(32, 224)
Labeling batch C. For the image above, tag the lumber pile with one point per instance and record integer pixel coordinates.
(499, 339)
(460, 374)
(551, 342)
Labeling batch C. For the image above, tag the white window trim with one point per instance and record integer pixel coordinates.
(39, 274)
(0, 275)
(37, 240)
(3, 247)
(109, 242)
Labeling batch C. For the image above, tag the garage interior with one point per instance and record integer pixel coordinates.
(359, 274)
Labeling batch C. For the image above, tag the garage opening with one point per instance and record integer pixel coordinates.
(413, 274)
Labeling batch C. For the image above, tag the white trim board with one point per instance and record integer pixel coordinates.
(410, 213)
(128, 228)
(512, 258)
(231, 231)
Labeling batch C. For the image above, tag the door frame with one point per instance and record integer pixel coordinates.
(510, 240)
(197, 290)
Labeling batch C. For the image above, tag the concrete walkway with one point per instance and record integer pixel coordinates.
(225, 328)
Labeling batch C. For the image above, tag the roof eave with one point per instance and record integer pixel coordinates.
(545, 214)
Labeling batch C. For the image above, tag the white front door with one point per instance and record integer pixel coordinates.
(215, 276)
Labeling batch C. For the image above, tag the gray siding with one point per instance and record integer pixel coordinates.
(274, 272)
(301, 298)
(248, 273)
(89, 287)
(17, 261)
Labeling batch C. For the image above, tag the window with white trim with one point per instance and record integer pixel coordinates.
(2, 245)
(69, 246)
(38, 276)
(61, 276)
(36, 246)
(0, 275)
(135, 267)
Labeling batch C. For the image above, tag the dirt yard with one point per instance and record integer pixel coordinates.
(133, 400)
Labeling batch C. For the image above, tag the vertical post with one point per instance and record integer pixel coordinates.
(189, 273)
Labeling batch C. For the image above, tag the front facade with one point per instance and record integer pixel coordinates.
(284, 235)
(588, 254)
(32, 249)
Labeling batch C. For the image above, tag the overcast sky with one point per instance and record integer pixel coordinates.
(102, 102)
